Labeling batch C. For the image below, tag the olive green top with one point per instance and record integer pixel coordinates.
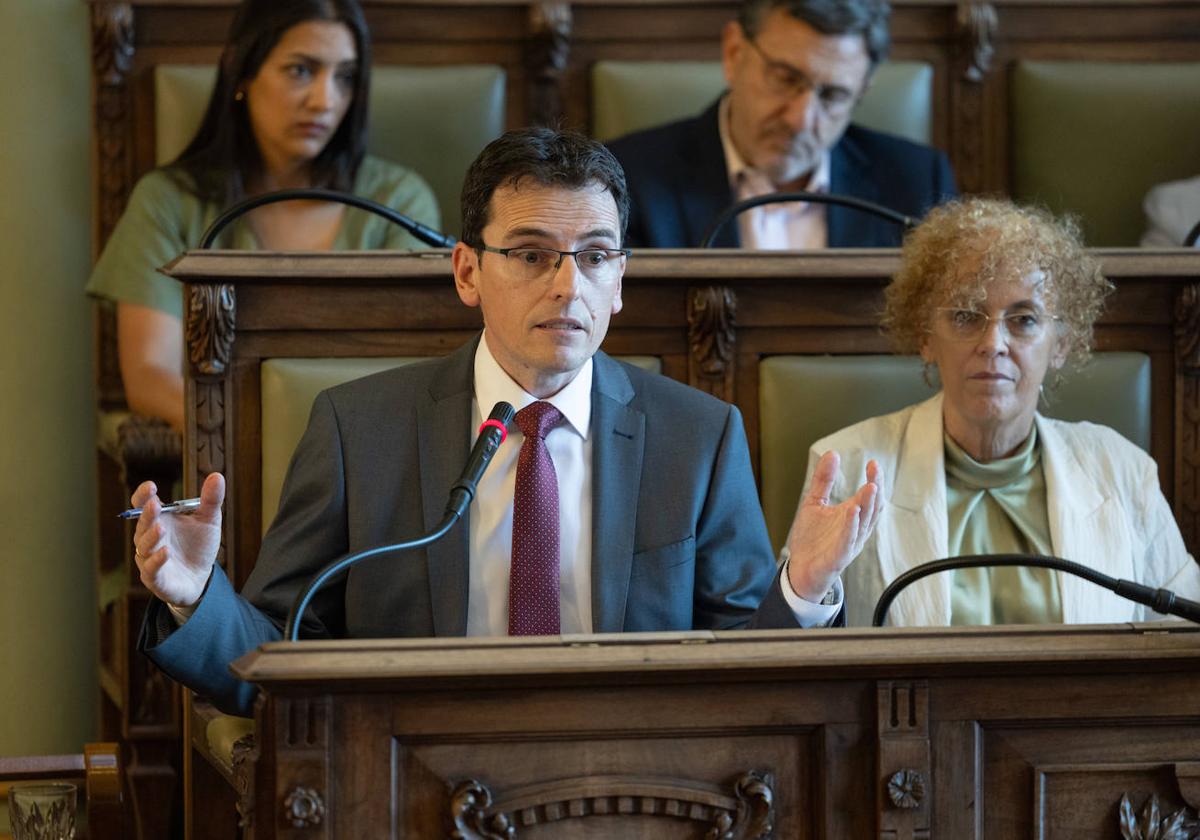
(1000, 508)
(163, 219)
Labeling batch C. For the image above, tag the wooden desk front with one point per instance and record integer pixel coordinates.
(943, 733)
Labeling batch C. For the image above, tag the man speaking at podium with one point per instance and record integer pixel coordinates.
(624, 501)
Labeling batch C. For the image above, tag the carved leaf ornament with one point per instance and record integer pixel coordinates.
(1150, 825)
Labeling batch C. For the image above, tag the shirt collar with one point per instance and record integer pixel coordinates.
(493, 385)
(738, 169)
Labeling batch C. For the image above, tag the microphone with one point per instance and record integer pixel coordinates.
(1193, 236)
(1161, 600)
(492, 433)
(422, 232)
(815, 198)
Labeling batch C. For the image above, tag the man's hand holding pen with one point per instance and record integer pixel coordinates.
(175, 554)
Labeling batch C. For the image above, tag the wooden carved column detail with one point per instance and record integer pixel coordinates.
(746, 812)
(904, 783)
(977, 24)
(712, 338)
(209, 331)
(547, 51)
(112, 56)
(304, 754)
(1187, 435)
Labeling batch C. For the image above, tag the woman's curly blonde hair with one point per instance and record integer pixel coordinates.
(964, 246)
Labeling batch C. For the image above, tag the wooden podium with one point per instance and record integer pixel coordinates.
(942, 733)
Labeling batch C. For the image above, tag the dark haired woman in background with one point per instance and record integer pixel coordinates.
(289, 110)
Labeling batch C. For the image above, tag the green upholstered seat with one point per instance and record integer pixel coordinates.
(288, 388)
(1092, 138)
(431, 119)
(632, 95)
(804, 398)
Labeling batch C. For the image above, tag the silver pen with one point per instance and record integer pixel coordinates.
(182, 506)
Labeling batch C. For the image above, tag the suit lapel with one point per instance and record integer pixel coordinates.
(443, 419)
(618, 438)
(704, 187)
(913, 529)
(1080, 520)
(852, 173)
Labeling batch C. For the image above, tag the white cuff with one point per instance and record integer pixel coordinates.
(807, 613)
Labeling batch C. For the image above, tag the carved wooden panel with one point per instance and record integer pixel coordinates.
(652, 787)
(744, 810)
(904, 781)
(112, 55)
(303, 791)
(1076, 775)
(1187, 376)
(547, 55)
(712, 340)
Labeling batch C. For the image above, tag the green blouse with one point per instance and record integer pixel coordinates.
(1000, 508)
(162, 220)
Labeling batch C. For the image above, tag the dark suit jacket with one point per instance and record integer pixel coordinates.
(678, 184)
(678, 537)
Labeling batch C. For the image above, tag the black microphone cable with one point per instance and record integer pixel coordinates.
(492, 433)
(1160, 600)
(425, 233)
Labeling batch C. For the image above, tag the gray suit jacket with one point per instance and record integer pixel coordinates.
(678, 538)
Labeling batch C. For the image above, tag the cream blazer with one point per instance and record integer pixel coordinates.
(1106, 510)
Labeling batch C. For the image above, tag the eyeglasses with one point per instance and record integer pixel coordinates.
(1027, 326)
(536, 263)
(786, 81)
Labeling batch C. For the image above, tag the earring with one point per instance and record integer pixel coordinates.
(239, 95)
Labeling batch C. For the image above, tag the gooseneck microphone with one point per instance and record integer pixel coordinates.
(425, 233)
(1160, 600)
(1193, 237)
(492, 433)
(800, 195)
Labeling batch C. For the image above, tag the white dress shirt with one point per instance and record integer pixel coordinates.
(491, 512)
(791, 226)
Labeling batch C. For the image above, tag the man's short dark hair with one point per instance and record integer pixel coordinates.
(542, 157)
(868, 18)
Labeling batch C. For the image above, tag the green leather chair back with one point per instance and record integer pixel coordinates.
(804, 398)
(632, 95)
(431, 119)
(1092, 138)
(288, 388)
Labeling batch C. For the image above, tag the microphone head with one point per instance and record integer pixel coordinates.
(503, 413)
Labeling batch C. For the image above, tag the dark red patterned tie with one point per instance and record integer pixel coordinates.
(533, 579)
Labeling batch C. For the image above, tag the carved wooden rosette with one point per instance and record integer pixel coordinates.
(303, 745)
(746, 814)
(1180, 825)
(1187, 383)
(712, 338)
(546, 55)
(112, 56)
(903, 760)
(209, 333)
(976, 23)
